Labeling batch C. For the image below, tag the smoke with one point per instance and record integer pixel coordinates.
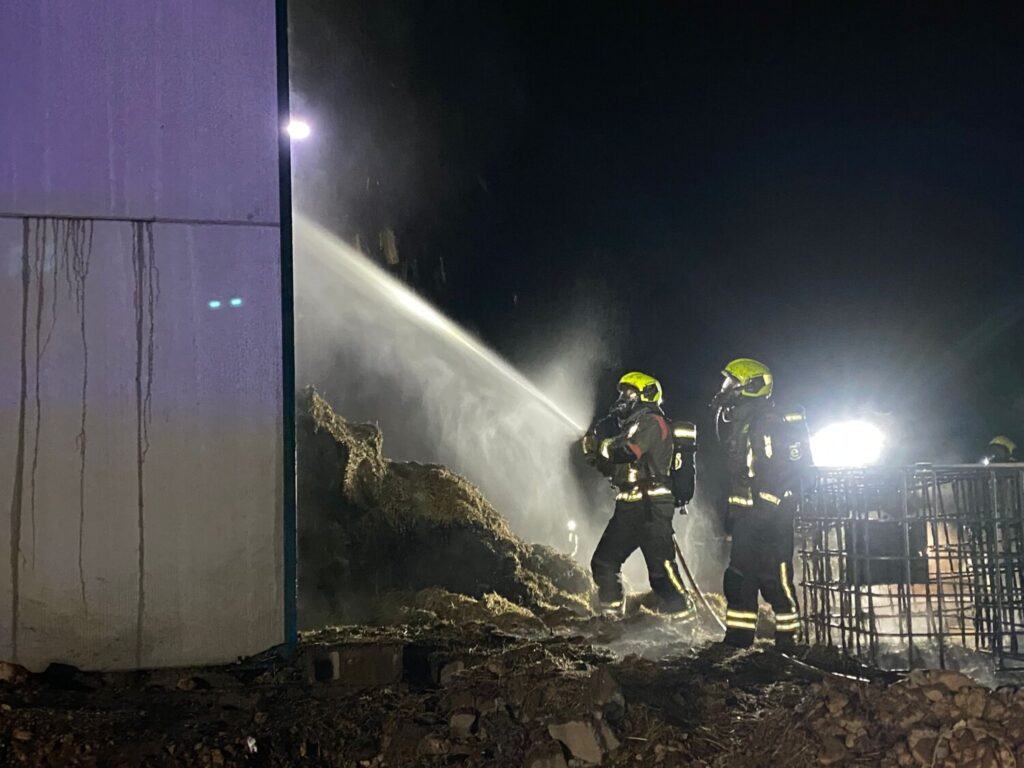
(380, 353)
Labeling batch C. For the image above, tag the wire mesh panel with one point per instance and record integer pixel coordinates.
(917, 566)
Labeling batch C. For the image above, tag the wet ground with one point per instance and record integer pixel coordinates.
(476, 648)
(422, 694)
(433, 692)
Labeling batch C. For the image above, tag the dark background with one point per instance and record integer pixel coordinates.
(833, 189)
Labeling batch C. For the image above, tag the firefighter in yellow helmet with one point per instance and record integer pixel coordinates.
(767, 452)
(637, 454)
(1001, 450)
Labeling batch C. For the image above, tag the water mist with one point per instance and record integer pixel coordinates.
(378, 352)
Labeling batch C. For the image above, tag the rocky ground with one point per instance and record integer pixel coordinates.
(505, 692)
(458, 644)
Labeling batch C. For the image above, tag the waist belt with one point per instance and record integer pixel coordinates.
(636, 494)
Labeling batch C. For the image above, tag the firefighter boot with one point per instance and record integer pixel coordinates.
(741, 615)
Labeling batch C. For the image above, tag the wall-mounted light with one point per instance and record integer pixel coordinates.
(214, 304)
(235, 302)
(298, 129)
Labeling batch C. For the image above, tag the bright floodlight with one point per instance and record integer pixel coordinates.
(847, 444)
(572, 525)
(298, 129)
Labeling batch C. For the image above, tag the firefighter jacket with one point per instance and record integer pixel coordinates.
(768, 459)
(638, 460)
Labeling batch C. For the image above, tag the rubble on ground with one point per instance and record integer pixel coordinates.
(476, 649)
(932, 718)
(432, 693)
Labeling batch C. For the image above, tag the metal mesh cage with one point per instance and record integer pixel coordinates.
(917, 566)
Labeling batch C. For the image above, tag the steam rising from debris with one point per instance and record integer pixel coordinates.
(380, 353)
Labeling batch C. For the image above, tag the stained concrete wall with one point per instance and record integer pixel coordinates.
(140, 426)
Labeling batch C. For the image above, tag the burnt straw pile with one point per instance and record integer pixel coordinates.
(370, 526)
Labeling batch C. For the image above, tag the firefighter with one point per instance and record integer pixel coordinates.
(638, 458)
(1001, 450)
(767, 452)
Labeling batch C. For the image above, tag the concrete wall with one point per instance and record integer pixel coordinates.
(140, 428)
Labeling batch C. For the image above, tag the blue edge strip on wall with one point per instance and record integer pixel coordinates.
(291, 625)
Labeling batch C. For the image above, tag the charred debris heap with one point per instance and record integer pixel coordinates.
(374, 532)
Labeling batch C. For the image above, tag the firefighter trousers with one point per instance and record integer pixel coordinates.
(646, 525)
(761, 561)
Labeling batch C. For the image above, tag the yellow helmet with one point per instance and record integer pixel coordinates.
(1005, 442)
(750, 377)
(648, 387)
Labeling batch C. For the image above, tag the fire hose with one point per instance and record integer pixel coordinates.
(703, 601)
(693, 583)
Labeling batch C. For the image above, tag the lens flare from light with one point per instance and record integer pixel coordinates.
(298, 129)
(847, 444)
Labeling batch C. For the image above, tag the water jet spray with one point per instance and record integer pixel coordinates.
(381, 353)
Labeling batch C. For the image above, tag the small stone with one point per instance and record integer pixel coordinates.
(994, 710)
(216, 757)
(432, 745)
(186, 684)
(449, 671)
(854, 725)
(580, 738)
(921, 742)
(832, 751)
(972, 702)
(952, 681)
(605, 695)
(462, 724)
(545, 754)
(20, 734)
(837, 702)
(610, 742)
(910, 719)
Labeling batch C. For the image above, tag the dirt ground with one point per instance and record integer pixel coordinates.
(461, 645)
(428, 693)
(507, 690)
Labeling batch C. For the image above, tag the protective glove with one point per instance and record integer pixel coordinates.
(588, 444)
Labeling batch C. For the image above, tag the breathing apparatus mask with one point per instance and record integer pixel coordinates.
(736, 402)
(626, 403)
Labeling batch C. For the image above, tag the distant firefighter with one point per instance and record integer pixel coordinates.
(767, 453)
(650, 462)
(1001, 450)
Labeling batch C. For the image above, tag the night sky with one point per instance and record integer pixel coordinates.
(837, 190)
